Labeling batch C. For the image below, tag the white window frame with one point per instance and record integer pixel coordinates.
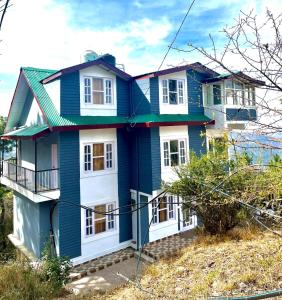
(180, 91)
(166, 154)
(108, 157)
(110, 220)
(244, 102)
(170, 209)
(108, 92)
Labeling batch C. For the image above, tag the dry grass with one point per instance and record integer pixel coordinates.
(242, 262)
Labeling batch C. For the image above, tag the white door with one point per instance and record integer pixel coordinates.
(54, 162)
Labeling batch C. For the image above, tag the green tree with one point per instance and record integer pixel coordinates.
(206, 182)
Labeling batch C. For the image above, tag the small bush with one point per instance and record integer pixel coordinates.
(19, 281)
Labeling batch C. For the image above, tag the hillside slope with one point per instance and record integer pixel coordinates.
(243, 262)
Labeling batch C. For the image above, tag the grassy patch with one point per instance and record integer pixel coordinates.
(241, 262)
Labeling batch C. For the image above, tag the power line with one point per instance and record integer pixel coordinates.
(166, 54)
(4, 12)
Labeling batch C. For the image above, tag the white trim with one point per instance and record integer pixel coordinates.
(81, 259)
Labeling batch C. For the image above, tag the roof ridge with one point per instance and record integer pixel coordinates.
(38, 69)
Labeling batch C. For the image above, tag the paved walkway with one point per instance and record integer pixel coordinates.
(105, 279)
(101, 263)
(168, 246)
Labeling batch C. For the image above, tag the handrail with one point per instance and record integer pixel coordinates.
(35, 181)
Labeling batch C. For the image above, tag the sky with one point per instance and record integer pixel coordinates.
(55, 34)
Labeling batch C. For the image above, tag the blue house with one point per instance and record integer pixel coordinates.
(92, 136)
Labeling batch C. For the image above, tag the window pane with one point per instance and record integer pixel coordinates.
(229, 97)
(109, 156)
(162, 203)
(174, 159)
(217, 94)
(100, 226)
(182, 152)
(229, 84)
(162, 215)
(172, 85)
(99, 208)
(98, 164)
(87, 158)
(98, 149)
(108, 91)
(238, 85)
(97, 84)
(172, 98)
(166, 154)
(87, 90)
(180, 92)
(88, 222)
(98, 97)
(165, 91)
(154, 211)
(111, 223)
(173, 146)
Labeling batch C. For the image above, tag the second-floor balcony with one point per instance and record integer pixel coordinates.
(35, 181)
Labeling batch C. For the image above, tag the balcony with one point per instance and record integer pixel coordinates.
(34, 181)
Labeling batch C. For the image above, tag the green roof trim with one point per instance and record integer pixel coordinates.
(26, 132)
(169, 118)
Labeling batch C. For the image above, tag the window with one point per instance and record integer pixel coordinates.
(188, 217)
(173, 91)
(97, 222)
(174, 152)
(237, 93)
(163, 209)
(98, 157)
(98, 91)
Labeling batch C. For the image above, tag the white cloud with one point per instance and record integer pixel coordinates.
(39, 34)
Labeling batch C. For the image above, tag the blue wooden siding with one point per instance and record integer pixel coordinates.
(154, 95)
(123, 103)
(241, 114)
(125, 219)
(144, 220)
(35, 223)
(156, 158)
(70, 94)
(197, 139)
(195, 95)
(69, 215)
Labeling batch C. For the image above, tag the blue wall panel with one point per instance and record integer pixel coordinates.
(123, 105)
(35, 223)
(197, 139)
(154, 95)
(125, 220)
(241, 114)
(195, 95)
(144, 221)
(156, 158)
(70, 94)
(69, 215)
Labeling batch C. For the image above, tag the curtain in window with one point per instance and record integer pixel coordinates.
(98, 91)
(98, 157)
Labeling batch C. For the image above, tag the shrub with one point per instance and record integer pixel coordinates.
(201, 183)
(54, 269)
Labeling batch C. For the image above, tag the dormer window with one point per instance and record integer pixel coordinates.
(98, 91)
(173, 91)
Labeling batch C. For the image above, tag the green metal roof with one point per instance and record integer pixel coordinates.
(26, 132)
(163, 118)
(34, 76)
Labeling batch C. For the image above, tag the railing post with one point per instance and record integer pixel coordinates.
(35, 166)
(25, 177)
(8, 169)
(16, 161)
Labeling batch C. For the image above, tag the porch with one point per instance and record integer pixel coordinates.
(34, 166)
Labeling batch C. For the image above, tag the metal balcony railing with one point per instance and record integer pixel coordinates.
(35, 181)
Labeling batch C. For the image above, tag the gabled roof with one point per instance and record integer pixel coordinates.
(98, 62)
(236, 75)
(195, 66)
